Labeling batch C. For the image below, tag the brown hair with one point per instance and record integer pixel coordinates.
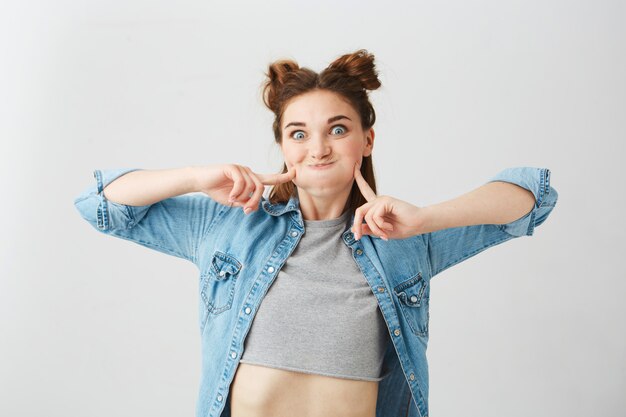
(350, 75)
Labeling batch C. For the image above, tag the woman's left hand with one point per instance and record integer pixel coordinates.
(385, 216)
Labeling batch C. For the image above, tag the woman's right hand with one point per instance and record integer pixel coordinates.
(231, 184)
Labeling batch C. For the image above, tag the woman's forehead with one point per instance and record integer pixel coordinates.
(317, 107)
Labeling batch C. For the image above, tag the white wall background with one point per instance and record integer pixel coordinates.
(92, 325)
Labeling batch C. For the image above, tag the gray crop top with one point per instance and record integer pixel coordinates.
(320, 316)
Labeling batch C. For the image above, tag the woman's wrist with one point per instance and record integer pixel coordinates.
(196, 175)
(428, 220)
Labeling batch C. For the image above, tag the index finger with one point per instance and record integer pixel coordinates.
(365, 188)
(272, 179)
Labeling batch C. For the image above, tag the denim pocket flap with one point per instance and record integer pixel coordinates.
(411, 292)
(224, 265)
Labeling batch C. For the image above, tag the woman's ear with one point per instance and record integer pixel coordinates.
(369, 142)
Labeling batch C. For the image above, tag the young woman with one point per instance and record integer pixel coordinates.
(314, 301)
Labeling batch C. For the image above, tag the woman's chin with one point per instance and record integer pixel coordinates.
(321, 186)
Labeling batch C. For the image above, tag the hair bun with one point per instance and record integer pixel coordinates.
(279, 70)
(360, 65)
(277, 74)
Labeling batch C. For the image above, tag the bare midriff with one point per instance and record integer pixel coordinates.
(260, 391)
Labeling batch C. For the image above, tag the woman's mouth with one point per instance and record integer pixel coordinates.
(321, 166)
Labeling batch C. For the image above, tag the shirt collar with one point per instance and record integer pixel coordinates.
(279, 209)
(293, 204)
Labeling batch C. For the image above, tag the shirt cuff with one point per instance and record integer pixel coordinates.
(537, 181)
(94, 196)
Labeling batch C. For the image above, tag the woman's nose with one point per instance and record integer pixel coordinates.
(319, 147)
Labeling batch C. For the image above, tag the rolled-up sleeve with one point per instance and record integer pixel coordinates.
(174, 225)
(102, 213)
(450, 246)
(536, 180)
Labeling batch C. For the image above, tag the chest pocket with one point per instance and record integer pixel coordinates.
(414, 297)
(217, 283)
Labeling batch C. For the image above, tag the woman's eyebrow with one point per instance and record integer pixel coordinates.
(332, 119)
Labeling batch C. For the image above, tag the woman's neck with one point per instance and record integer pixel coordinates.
(322, 207)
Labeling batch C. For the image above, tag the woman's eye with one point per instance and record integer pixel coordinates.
(341, 127)
(293, 135)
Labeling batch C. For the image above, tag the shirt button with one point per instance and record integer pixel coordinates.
(359, 251)
(220, 398)
(233, 355)
(248, 310)
(381, 289)
(414, 298)
(222, 273)
(270, 269)
(411, 377)
(396, 332)
(294, 233)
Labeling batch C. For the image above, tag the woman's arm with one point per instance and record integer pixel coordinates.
(496, 202)
(488, 216)
(171, 210)
(153, 208)
(145, 187)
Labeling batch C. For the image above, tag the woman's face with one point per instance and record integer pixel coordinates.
(320, 127)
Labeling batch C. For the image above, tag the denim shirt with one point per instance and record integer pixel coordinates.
(238, 257)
